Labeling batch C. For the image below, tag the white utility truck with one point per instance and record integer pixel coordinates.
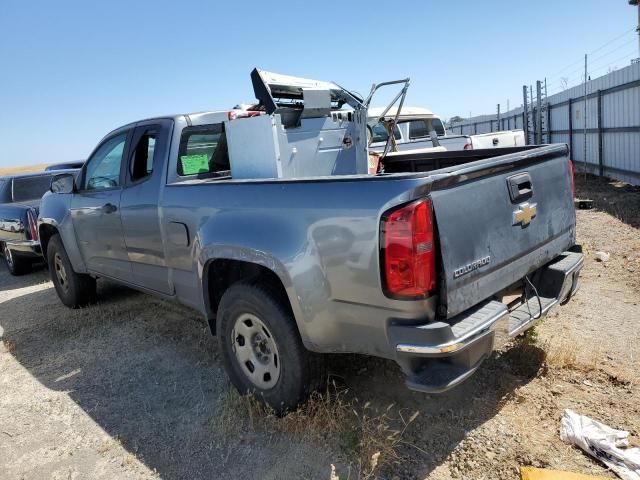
(414, 126)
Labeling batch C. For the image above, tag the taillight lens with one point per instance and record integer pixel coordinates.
(468, 146)
(33, 225)
(573, 179)
(409, 253)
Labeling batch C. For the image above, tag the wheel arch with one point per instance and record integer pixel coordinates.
(221, 272)
(45, 232)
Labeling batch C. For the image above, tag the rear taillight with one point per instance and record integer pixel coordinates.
(409, 260)
(33, 225)
(468, 146)
(573, 179)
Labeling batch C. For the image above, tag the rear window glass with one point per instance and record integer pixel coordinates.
(30, 188)
(421, 128)
(437, 125)
(379, 133)
(5, 195)
(203, 150)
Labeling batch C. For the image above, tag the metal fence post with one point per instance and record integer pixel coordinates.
(532, 109)
(525, 113)
(538, 112)
(600, 159)
(549, 131)
(570, 127)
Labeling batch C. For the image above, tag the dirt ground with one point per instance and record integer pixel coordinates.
(134, 388)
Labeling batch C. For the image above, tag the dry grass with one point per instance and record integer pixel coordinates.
(22, 169)
(370, 440)
(567, 354)
(561, 355)
(109, 445)
(9, 346)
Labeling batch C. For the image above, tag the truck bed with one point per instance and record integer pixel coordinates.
(427, 162)
(483, 247)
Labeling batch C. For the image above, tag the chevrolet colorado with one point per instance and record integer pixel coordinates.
(267, 221)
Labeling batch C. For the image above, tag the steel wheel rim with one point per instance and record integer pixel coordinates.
(7, 255)
(61, 273)
(256, 351)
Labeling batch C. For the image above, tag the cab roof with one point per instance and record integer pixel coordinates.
(405, 113)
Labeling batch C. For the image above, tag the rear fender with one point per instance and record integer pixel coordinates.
(267, 242)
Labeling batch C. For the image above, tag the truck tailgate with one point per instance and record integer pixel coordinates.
(500, 219)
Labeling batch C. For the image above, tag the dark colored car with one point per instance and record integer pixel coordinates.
(20, 197)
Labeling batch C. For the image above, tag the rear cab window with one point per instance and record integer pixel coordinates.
(420, 128)
(203, 152)
(379, 133)
(5, 194)
(30, 188)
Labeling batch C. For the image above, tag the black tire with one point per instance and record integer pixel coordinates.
(74, 289)
(15, 264)
(300, 371)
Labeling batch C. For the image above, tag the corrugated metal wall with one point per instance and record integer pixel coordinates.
(613, 123)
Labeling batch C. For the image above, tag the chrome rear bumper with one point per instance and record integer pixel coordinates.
(24, 247)
(438, 356)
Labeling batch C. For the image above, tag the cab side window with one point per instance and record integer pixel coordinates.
(103, 168)
(141, 162)
(203, 151)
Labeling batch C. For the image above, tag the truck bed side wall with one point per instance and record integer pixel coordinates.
(319, 237)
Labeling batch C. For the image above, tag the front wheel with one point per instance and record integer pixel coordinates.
(74, 289)
(15, 264)
(262, 350)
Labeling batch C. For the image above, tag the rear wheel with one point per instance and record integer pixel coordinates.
(15, 264)
(74, 289)
(262, 350)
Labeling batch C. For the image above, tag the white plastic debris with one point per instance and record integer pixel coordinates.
(608, 445)
(602, 256)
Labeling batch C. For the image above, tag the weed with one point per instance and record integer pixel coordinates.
(9, 345)
(530, 337)
(365, 436)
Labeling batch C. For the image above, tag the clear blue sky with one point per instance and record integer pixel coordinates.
(70, 71)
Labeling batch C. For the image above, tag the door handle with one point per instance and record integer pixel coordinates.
(520, 187)
(109, 208)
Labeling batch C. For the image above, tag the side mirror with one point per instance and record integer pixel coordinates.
(63, 183)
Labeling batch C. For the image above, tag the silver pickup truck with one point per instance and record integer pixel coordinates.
(432, 263)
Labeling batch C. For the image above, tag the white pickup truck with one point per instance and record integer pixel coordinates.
(412, 132)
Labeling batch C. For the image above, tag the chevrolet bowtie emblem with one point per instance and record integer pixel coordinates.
(525, 213)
